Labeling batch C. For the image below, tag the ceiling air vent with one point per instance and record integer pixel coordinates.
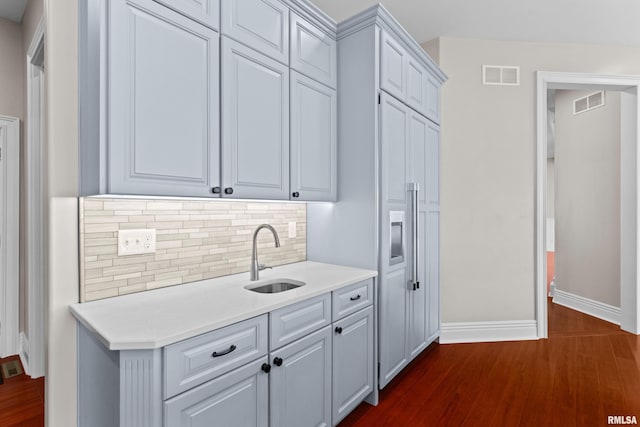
(588, 102)
(500, 75)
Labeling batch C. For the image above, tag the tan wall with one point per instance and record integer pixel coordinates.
(61, 217)
(588, 198)
(11, 69)
(196, 240)
(488, 171)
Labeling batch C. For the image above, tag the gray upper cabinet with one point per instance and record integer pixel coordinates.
(423, 91)
(313, 52)
(255, 124)
(238, 398)
(313, 140)
(300, 383)
(207, 12)
(163, 102)
(260, 24)
(393, 67)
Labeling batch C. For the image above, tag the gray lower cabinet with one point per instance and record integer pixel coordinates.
(300, 383)
(255, 124)
(239, 399)
(163, 101)
(313, 140)
(352, 362)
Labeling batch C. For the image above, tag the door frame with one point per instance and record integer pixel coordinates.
(629, 186)
(9, 226)
(34, 349)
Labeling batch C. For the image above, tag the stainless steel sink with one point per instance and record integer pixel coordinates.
(274, 286)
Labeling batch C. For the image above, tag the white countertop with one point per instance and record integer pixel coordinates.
(156, 318)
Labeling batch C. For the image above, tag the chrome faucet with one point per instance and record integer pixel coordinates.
(255, 267)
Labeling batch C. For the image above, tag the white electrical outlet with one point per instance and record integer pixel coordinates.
(292, 230)
(135, 242)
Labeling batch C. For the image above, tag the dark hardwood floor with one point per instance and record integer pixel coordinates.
(587, 370)
(21, 400)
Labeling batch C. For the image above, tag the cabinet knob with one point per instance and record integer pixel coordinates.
(228, 190)
(277, 361)
(216, 190)
(338, 330)
(266, 368)
(296, 194)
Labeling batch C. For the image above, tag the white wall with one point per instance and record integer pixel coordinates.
(551, 205)
(488, 171)
(588, 198)
(61, 65)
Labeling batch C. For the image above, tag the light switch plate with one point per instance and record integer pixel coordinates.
(292, 230)
(135, 242)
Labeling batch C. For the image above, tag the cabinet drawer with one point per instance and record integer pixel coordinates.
(297, 320)
(206, 12)
(313, 52)
(199, 359)
(352, 298)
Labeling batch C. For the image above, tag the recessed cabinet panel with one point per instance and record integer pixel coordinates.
(393, 61)
(313, 52)
(206, 12)
(394, 117)
(432, 89)
(419, 168)
(162, 142)
(432, 163)
(352, 362)
(313, 140)
(393, 325)
(300, 388)
(255, 124)
(238, 398)
(433, 271)
(260, 24)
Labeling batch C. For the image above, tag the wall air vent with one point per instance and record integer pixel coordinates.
(500, 75)
(588, 102)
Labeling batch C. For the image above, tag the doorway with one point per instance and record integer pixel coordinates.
(9, 236)
(628, 88)
(32, 349)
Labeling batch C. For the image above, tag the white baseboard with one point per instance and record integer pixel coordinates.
(467, 332)
(588, 306)
(24, 352)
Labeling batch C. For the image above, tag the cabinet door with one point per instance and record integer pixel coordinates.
(313, 52)
(394, 117)
(300, 383)
(432, 251)
(393, 67)
(260, 24)
(419, 171)
(313, 140)
(238, 398)
(255, 124)
(394, 298)
(423, 90)
(352, 362)
(161, 142)
(206, 12)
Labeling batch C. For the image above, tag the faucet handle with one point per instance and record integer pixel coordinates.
(263, 267)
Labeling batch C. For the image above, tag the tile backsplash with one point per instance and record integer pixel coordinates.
(196, 240)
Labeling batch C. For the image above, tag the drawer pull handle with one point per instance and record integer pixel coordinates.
(223, 353)
(338, 330)
(355, 298)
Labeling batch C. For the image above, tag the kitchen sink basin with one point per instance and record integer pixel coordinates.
(274, 286)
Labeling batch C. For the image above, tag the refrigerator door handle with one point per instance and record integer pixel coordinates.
(414, 188)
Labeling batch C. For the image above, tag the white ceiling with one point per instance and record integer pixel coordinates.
(611, 22)
(12, 9)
